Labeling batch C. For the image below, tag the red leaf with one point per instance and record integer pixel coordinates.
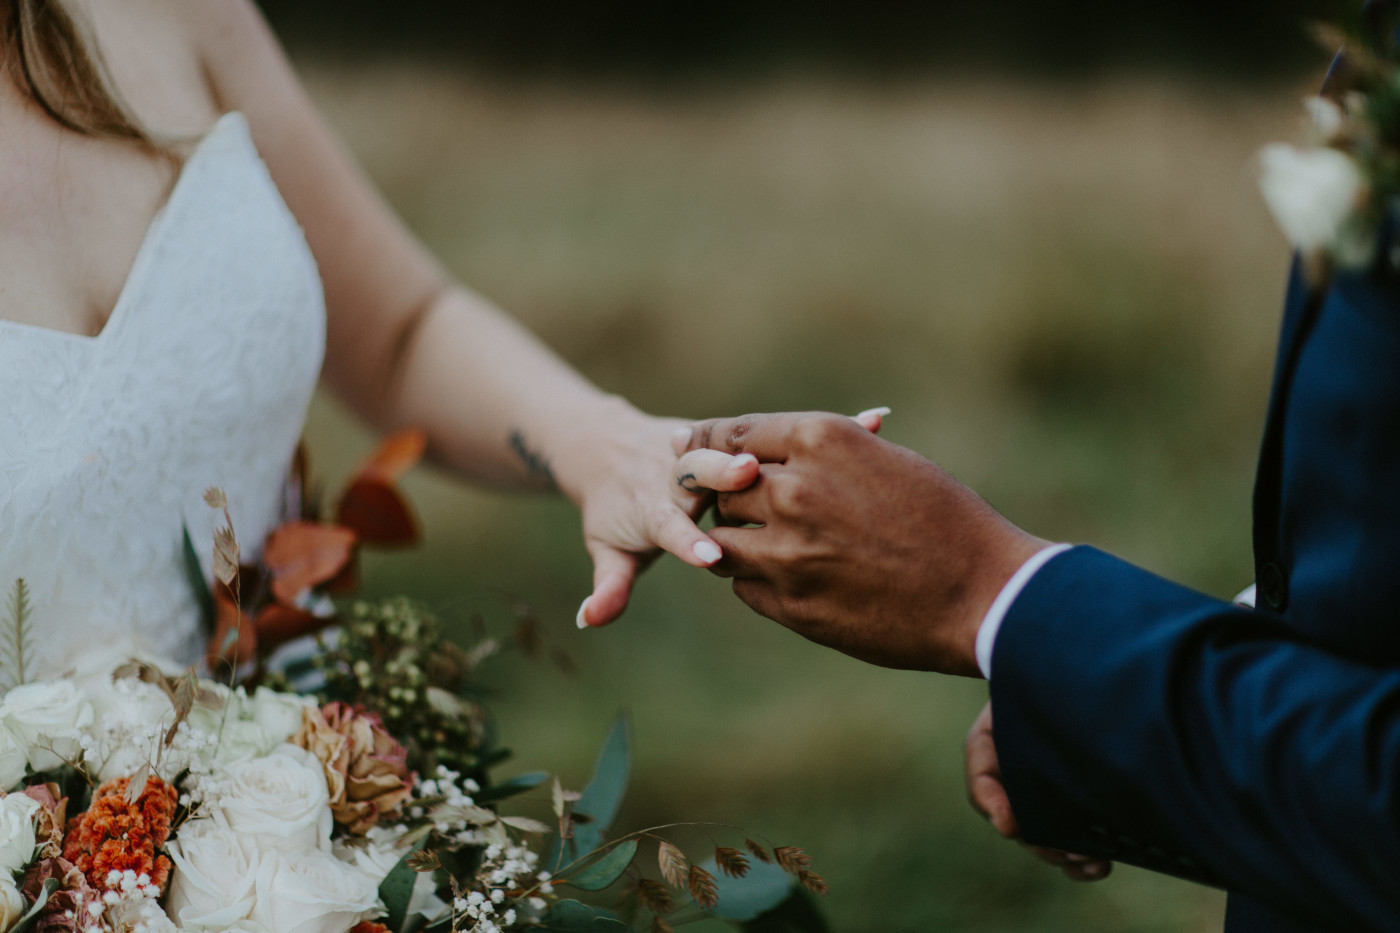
(277, 624)
(394, 456)
(301, 555)
(376, 512)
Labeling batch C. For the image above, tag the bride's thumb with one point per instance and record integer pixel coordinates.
(613, 573)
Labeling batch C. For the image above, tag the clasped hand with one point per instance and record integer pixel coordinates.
(854, 542)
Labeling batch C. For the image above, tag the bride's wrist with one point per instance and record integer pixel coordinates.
(603, 440)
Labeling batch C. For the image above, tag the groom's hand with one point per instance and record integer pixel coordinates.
(988, 797)
(862, 545)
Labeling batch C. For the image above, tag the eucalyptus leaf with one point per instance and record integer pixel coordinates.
(606, 870)
(798, 914)
(574, 917)
(395, 891)
(31, 917)
(602, 798)
(516, 785)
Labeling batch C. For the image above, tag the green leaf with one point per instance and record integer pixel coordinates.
(26, 923)
(516, 785)
(606, 870)
(204, 595)
(573, 917)
(602, 798)
(766, 900)
(395, 891)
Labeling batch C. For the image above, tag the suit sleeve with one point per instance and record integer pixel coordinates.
(1141, 721)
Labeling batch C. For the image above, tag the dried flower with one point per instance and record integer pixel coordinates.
(366, 769)
(50, 819)
(118, 835)
(68, 906)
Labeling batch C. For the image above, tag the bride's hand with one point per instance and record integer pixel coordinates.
(634, 504)
(638, 495)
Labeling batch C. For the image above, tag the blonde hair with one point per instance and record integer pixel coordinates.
(51, 60)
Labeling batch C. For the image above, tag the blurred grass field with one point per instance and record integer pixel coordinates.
(1067, 293)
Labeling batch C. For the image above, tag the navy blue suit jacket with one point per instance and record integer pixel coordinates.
(1258, 751)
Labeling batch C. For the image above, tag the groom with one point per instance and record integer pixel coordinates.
(1136, 720)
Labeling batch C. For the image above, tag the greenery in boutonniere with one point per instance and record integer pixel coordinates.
(1331, 195)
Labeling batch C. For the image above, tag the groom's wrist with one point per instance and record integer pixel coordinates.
(996, 613)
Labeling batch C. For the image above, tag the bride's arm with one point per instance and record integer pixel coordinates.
(407, 345)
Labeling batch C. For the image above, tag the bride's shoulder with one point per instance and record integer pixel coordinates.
(154, 53)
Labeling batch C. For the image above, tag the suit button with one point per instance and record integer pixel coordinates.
(1273, 586)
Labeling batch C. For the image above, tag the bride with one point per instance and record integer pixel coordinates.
(184, 249)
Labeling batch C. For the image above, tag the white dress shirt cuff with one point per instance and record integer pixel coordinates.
(991, 622)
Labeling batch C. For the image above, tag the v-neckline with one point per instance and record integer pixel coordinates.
(149, 239)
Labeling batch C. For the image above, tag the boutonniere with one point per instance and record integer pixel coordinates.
(1331, 194)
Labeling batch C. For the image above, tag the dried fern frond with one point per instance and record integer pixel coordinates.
(15, 646)
(758, 852)
(702, 887)
(674, 866)
(792, 859)
(731, 861)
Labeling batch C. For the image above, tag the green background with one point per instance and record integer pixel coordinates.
(1064, 284)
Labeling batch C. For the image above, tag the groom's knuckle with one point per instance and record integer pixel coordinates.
(737, 431)
(818, 431)
(790, 495)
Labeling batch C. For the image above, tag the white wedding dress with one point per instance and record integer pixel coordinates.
(201, 377)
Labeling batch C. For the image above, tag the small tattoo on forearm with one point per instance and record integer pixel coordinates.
(536, 464)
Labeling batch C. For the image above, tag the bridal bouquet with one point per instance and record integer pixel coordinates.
(142, 798)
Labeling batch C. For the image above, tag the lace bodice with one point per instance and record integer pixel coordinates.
(201, 377)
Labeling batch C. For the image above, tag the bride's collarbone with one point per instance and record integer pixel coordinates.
(74, 212)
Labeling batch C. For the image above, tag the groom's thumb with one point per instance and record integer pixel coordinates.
(613, 573)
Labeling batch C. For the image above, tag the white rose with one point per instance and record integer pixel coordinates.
(279, 801)
(47, 717)
(279, 714)
(12, 761)
(129, 713)
(12, 904)
(213, 877)
(1326, 118)
(376, 861)
(312, 892)
(16, 831)
(1313, 195)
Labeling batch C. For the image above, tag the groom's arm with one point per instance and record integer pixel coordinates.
(1139, 721)
(1136, 720)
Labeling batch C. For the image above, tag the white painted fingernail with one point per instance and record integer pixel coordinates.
(707, 551)
(578, 619)
(880, 412)
(742, 460)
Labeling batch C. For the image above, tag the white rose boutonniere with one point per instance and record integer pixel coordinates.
(1332, 196)
(279, 801)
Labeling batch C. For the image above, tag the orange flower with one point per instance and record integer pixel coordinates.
(114, 835)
